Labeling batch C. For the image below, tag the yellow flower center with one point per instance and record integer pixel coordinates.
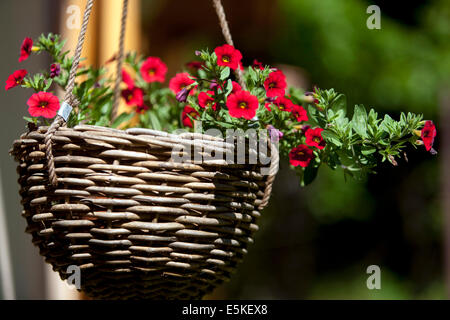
(243, 105)
(316, 139)
(226, 59)
(301, 153)
(151, 72)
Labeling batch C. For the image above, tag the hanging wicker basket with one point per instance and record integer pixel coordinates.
(136, 223)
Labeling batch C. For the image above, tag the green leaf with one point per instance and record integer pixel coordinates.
(253, 75)
(331, 137)
(366, 150)
(359, 121)
(339, 104)
(123, 117)
(156, 125)
(310, 175)
(225, 73)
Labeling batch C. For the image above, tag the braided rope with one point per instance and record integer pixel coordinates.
(123, 25)
(69, 96)
(227, 35)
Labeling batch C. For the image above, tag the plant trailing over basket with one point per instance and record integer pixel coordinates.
(312, 128)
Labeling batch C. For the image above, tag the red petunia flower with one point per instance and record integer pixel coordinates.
(141, 108)
(284, 104)
(314, 138)
(189, 111)
(127, 79)
(15, 79)
(43, 104)
(153, 70)
(301, 156)
(228, 56)
(25, 49)
(428, 134)
(275, 84)
(236, 87)
(257, 65)
(242, 105)
(180, 81)
(205, 100)
(133, 96)
(299, 113)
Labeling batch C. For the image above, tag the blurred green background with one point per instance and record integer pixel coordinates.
(314, 242)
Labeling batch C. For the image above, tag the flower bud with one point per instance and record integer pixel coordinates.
(182, 95)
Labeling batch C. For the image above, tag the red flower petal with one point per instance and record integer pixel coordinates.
(153, 70)
(301, 156)
(205, 100)
(188, 110)
(275, 84)
(25, 49)
(242, 105)
(228, 56)
(299, 113)
(428, 134)
(284, 104)
(15, 79)
(43, 104)
(314, 138)
(127, 79)
(133, 96)
(180, 81)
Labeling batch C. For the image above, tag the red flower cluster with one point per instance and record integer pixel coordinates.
(189, 111)
(228, 56)
(301, 156)
(153, 70)
(275, 84)
(428, 134)
(15, 79)
(43, 104)
(242, 105)
(25, 49)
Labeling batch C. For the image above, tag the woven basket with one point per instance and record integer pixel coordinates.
(138, 225)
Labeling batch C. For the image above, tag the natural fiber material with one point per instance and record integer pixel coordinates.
(120, 58)
(139, 225)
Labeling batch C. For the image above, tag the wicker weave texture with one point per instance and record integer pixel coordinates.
(139, 225)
